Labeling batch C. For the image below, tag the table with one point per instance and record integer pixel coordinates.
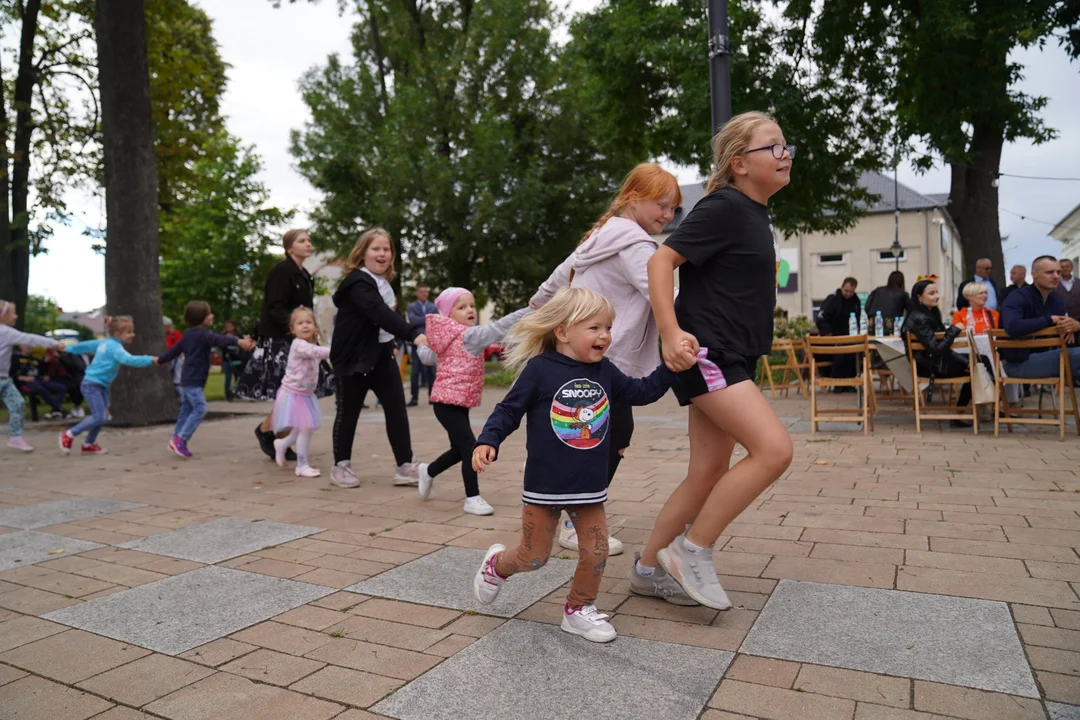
(894, 354)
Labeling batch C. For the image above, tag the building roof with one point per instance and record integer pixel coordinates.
(1068, 228)
(94, 319)
(876, 183)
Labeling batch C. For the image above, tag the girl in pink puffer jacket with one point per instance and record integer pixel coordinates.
(457, 343)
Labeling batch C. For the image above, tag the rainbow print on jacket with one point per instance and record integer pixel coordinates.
(579, 414)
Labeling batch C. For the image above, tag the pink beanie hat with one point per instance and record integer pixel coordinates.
(447, 298)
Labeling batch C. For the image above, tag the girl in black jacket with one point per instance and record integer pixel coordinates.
(939, 359)
(362, 353)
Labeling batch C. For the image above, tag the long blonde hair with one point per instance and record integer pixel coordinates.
(647, 181)
(732, 141)
(535, 333)
(355, 260)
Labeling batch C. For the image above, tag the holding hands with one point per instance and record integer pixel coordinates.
(246, 344)
(421, 339)
(680, 350)
(482, 456)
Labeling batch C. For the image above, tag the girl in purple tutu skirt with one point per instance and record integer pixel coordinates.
(296, 408)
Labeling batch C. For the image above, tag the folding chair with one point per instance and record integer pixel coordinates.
(792, 377)
(925, 411)
(841, 345)
(1043, 340)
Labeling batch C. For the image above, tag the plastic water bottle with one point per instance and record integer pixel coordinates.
(970, 322)
(879, 325)
(863, 322)
(898, 326)
(852, 325)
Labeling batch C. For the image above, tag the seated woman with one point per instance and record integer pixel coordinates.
(982, 318)
(938, 360)
(32, 378)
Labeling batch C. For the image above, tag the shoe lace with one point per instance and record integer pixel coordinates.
(592, 615)
(489, 572)
(702, 567)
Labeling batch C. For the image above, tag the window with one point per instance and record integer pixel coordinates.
(886, 256)
(831, 259)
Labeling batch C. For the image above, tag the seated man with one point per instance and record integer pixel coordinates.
(32, 378)
(1032, 308)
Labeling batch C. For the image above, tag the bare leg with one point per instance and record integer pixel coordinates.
(710, 456)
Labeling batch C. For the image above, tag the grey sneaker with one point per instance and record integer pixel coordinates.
(407, 474)
(659, 585)
(343, 476)
(695, 573)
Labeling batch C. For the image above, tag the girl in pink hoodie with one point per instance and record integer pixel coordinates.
(296, 408)
(457, 343)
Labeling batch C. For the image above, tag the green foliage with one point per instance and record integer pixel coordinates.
(222, 235)
(795, 328)
(40, 315)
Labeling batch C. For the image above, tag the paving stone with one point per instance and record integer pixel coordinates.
(19, 549)
(383, 632)
(444, 579)
(975, 704)
(450, 646)
(283, 638)
(25, 629)
(218, 652)
(56, 512)
(778, 703)
(236, 698)
(272, 667)
(184, 611)
(72, 656)
(865, 687)
(763, 671)
(636, 671)
(1052, 593)
(378, 659)
(351, 687)
(218, 540)
(668, 631)
(34, 698)
(123, 713)
(945, 639)
(867, 711)
(1060, 688)
(31, 601)
(474, 625)
(9, 674)
(422, 615)
(146, 679)
(1060, 711)
(311, 617)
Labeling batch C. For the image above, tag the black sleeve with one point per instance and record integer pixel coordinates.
(706, 230)
(506, 417)
(825, 315)
(641, 391)
(924, 334)
(367, 298)
(279, 296)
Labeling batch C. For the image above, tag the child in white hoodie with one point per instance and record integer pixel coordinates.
(9, 393)
(613, 259)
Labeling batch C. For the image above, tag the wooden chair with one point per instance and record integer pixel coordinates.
(792, 377)
(924, 411)
(841, 345)
(1043, 340)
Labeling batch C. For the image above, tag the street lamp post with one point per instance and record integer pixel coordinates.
(897, 248)
(719, 72)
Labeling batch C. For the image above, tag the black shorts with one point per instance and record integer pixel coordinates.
(716, 370)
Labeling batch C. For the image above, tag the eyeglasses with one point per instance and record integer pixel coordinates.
(777, 151)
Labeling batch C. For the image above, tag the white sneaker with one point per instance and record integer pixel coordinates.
(477, 506)
(343, 476)
(17, 443)
(279, 452)
(425, 481)
(589, 623)
(307, 471)
(568, 540)
(487, 582)
(407, 474)
(78, 413)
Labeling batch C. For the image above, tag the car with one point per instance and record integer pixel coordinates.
(494, 351)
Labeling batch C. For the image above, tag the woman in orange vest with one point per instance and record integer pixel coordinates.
(981, 318)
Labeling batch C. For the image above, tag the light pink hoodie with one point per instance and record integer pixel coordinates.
(614, 262)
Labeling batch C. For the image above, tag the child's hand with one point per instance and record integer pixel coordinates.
(482, 456)
(247, 344)
(153, 359)
(421, 339)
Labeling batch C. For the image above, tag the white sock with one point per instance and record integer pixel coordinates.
(692, 548)
(644, 571)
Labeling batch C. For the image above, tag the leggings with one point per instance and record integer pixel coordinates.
(539, 524)
(97, 397)
(15, 404)
(455, 420)
(385, 380)
(302, 440)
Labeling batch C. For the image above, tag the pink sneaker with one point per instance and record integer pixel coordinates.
(17, 443)
(65, 442)
(93, 449)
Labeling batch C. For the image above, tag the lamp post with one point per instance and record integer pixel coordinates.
(897, 248)
(719, 72)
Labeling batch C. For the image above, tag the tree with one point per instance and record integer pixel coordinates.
(642, 67)
(452, 130)
(944, 68)
(221, 232)
(132, 284)
(42, 119)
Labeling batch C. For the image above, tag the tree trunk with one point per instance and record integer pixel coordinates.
(7, 276)
(15, 235)
(132, 284)
(973, 201)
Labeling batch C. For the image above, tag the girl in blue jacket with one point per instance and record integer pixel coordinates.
(109, 355)
(566, 389)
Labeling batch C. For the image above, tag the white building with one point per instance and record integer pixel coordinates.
(1067, 232)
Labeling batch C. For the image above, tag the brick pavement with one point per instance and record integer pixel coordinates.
(945, 514)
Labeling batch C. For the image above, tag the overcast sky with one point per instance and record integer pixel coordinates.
(269, 49)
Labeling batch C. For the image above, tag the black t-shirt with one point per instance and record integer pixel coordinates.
(727, 286)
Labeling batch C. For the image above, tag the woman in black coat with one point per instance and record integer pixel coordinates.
(938, 360)
(288, 286)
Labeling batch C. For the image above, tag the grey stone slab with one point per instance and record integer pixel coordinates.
(55, 512)
(218, 540)
(27, 547)
(1059, 711)
(176, 614)
(444, 579)
(525, 670)
(952, 640)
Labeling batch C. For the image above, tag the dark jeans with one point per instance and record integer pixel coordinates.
(622, 429)
(421, 373)
(956, 365)
(227, 371)
(51, 392)
(455, 420)
(385, 381)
